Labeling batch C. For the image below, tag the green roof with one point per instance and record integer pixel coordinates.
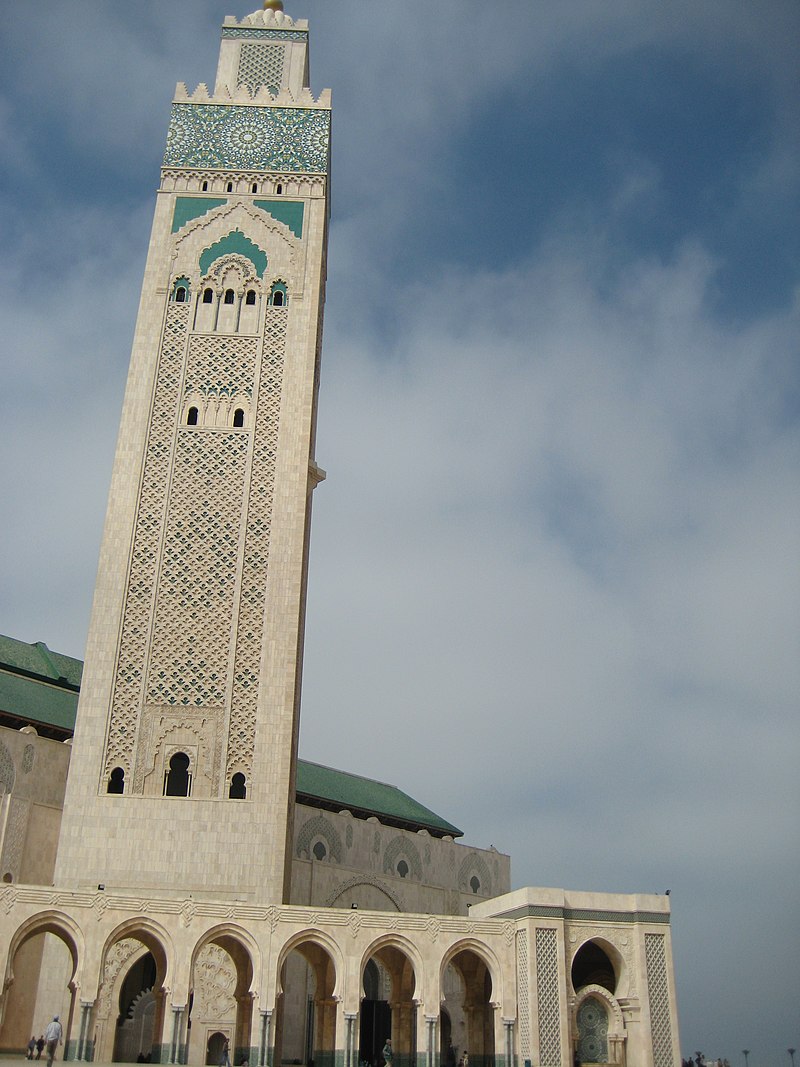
(42, 687)
(364, 796)
(38, 686)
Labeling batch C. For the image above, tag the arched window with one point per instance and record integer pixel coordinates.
(319, 850)
(250, 298)
(178, 779)
(238, 789)
(277, 299)
(592, 966)
(254, 187)
(238, 418)
(229, 296)
(204, 187)
(208, 296)
(474, 884)
(191, 417)
(180, 295)
(116, 781)
(402, 869)
(279, 188)
(230, 187)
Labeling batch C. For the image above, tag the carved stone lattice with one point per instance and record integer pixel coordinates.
(214, 985)
(117, 957)
(197, 580)
(261, 64)
(547, 997)
(7, 773)
(658, 997)
(401, 848)
(250, 624)
(317, 827)
(129, 679)
(28, 759)
(474, 866)
(221, 365)
(523, 996)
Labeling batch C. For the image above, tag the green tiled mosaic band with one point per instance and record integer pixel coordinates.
(545, 911)
(238, 33)
(234, 137)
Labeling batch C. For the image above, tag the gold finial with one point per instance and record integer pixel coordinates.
(273, 5)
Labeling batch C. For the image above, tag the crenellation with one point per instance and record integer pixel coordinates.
(241, 94)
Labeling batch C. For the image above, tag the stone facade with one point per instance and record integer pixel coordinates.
(194, 902)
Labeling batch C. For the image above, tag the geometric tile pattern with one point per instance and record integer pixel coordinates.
(127, 696)
(592, 1032)
(261, 65)
(233, 137)
(235, 34)
(658, 996)
(192, 629)
(547, 998)
(522, 996)
(250, 622)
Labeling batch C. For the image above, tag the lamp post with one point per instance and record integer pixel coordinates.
(745, 1053)
(791, 1052)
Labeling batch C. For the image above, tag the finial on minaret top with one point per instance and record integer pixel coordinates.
(273, 5)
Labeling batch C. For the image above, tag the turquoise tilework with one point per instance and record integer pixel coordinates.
(241, 137)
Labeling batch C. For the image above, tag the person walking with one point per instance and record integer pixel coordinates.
(39, 1046)
(31, 1046)
(225, 1055)
(52, 1038)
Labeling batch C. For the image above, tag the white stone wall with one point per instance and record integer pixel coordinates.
(363, 858)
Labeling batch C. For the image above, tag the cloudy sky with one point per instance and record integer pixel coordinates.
(554, 573)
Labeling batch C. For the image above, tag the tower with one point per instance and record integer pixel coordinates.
(183, 765)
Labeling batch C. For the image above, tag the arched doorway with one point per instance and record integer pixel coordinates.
(592, 965)
(467, 989)
(221, 1000)
(40, 981)
(305, 1028)
(130, 1008)
(388, 1010)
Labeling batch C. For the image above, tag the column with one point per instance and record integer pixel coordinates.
(266, 1033)
(350, 1021)
(508, 1042)
(432, 1050)
(175, 1042)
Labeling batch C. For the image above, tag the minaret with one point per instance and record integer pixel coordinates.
(183, 766)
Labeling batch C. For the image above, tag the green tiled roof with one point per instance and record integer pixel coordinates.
(30, 698)
(365, 796)
(39, 661)
(42, 687)
(38, 685)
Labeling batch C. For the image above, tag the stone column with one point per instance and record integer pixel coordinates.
(350, 1031)
(264, 1051)
(84, 1042)
(508, 1042)
(432, 1042)
(174, 1048)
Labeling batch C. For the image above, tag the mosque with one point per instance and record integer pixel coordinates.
(174, 880)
